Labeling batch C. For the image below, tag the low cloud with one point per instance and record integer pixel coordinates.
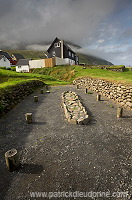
(92, 24)
(34, 21)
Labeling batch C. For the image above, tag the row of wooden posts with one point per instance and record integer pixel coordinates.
(11, 156)
(119, 109)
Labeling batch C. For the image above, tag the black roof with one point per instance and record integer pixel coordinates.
(1, 56)
(7, 55)
(23, 62)
(64, 44)
(18, 56)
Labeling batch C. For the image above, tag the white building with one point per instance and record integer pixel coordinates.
(36, 64)
(4, 62)
(23, 65)
(64, 61)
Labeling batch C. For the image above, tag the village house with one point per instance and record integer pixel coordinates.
(23, 65)
(60, 49)
(7, 55)
(16, 56)
(4, 62)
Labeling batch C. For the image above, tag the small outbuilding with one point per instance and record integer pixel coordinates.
(23, 65)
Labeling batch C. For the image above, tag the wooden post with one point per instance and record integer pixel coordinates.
(98, 97)
(12, 161)
(86, 90)
(77, 86)
(28, 118)
(119, 112)
(35, 98)
(41, 91)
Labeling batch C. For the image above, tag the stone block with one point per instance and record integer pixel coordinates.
(73, 121)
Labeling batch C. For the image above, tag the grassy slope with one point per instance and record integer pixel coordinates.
(120, 77)
(61, 75)
(69, 73)
(12, 77)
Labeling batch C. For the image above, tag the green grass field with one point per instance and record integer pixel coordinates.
(10, 78)
(62, 75)
(69, 73)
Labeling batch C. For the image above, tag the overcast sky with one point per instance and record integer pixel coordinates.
(101, 27)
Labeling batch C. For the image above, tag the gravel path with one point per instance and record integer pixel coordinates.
(58, 156)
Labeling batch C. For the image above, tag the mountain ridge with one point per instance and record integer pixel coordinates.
(83, 58)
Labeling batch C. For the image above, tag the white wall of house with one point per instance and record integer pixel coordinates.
(23, 68)
(4, 62)
(69, 61)
(65, 61)
(36, 63)
(60, 61)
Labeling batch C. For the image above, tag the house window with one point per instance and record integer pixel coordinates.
(73, 55)
(57, 44)
(69, 53)
(19, 67)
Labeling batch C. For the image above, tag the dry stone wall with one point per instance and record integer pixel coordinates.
(73, 108)
(120, 93)
(14, 94)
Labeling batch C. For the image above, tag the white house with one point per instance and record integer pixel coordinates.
(23, 65)
(4, 62)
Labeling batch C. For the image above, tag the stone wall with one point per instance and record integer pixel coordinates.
(120, 93)
(14, 94)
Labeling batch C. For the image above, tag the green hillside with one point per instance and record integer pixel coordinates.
(28, 53)
(87, 59)
(69, 73)
(92, 60)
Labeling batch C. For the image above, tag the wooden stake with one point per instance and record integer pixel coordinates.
(28, 118)
(119, 112)
(35, 98)
(86, 90)
(41, 91)
(98, 97)
(12, 161)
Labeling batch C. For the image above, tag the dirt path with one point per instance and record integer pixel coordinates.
(57, 156)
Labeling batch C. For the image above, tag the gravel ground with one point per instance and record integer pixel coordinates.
(58, 156)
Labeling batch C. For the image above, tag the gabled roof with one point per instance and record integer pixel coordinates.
(7, 55)
(23, 62)
(68, 47)
(64, 44)
(18, 56)
(53, 43)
